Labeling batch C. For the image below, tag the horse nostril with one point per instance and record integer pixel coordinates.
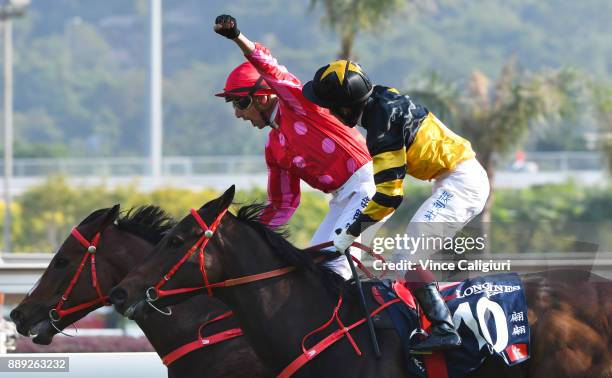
(117, 296)
(17, 317)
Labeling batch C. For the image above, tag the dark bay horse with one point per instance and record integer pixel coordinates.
(570, 315)
(123, 242)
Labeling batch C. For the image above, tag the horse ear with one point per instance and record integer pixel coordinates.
(223, 201)
(227, 198)
(110, 216)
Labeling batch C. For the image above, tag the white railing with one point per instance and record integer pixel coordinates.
(138, 166)
(254, 164)
(562, 161)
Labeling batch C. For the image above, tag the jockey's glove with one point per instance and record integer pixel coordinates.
(226, 26)
(343, 240)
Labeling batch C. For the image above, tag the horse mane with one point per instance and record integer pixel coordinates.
(286, 251)
(148, 222)
(251, 214)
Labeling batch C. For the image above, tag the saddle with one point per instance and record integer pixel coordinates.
(490, 314)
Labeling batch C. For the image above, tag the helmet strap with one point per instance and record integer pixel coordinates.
(263, 109)
(354, 118)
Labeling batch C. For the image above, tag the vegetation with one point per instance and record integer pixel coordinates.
(347, 17)
(80, 91)
(603, 104)
(80, 67)
(497, 116)
(540, 219)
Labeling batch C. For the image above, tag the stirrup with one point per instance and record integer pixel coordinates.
(419, 332)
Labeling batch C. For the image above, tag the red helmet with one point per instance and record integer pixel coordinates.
(244, 80)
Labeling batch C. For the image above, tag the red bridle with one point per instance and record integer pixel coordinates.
(154, 292)
(56, 313)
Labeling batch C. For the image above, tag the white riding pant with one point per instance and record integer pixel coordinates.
(457, 197)
(346, 205)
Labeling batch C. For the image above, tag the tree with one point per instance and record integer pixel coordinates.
(603, 107)
(496, 117)
(348, 17)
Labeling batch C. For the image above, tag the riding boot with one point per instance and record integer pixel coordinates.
(442, 333)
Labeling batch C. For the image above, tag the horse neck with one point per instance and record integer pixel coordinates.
(275, 313)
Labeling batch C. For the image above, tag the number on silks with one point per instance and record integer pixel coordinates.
(483, 306)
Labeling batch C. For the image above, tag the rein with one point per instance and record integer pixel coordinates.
(155, 292)
(342, 331)
(360, 265)
(202, 342)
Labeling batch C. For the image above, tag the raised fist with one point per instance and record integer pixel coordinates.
(226, 26)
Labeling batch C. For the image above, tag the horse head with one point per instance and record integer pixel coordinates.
(180, 264)
(78, 277)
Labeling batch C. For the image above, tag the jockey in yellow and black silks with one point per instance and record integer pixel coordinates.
(405, 138)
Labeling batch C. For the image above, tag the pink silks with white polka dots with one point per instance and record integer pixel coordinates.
(309, 143)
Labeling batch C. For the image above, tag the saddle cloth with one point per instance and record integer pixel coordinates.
(489, 312)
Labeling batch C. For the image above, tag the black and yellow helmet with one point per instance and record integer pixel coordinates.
(341, 83)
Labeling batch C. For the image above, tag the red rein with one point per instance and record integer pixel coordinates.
(307, 354)
(202, 342)
(155, 292)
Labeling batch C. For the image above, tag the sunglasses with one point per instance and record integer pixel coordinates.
(242, 103)
(245, 102)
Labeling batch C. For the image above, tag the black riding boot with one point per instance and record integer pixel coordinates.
(442, 334)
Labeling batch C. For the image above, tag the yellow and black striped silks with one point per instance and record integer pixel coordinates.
(389, 172)
(403, 137)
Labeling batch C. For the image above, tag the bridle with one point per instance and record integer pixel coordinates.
(153, 293)
(57, 313)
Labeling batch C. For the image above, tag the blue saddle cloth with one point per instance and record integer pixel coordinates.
(490, 314)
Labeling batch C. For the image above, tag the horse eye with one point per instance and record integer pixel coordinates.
(61, 263)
